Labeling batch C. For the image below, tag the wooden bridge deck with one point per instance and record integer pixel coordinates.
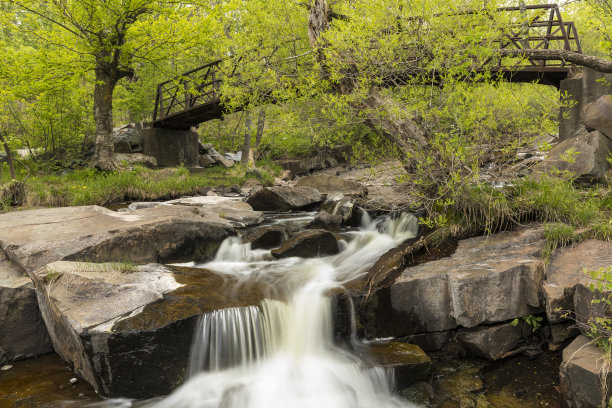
(194, 97)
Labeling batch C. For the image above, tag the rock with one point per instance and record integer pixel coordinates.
(127, 137)
(212, 193)
(218, 158)
(137, 159)
(486, 280)
(580, 374)
(308, 244)
(146, 204)
(561, 332)
(174, 233)
(392, 262)
(266, 237)
(337, 203)
(597, 115)
(431, 341)
(127, 329)
(300, 167)
(587, 157)
(566, 270)
(229, 208)
(327, 183)
(206, 160)
(408, 361)
(23, 332)
(590, 305)
(491, 342)
(325, 220)
(281, 198)
(286, 175)
(231, 191)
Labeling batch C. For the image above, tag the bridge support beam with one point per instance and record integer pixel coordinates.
(581, 91)
(171, 147)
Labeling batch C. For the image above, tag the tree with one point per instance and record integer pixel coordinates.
(111, 40)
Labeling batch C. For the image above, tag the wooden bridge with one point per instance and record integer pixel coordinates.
(194, 97)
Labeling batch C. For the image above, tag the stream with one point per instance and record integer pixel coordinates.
(282, 352)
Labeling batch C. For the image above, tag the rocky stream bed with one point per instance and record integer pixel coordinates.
(119, 295)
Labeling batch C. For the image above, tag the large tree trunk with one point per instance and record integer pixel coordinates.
(103, 116)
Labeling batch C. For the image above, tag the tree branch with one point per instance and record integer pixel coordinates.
(596, 63)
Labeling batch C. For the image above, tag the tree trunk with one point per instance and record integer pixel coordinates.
(246, 148)
(261, 124)
(596, 63)
(103, 116)
(9, 156)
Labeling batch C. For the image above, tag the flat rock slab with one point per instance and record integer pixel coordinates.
(566, 270)
(581, 372)
(408, 361)
(487, 280)
(127, 329)
(34, 238)
(327, 183)
(283, 198)
(22, 330)
(229, 208)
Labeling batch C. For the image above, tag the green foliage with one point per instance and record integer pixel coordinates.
(599, 328)
(89, 186)
(535, 322)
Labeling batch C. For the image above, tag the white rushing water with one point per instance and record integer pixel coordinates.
(281, 354)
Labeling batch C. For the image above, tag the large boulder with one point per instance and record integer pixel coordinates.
(325, 220)
(127, 329)
(241, 214)
(308, 244)
(34, 238)
(581, 375)
(565, 271)
(488, 279)
(266, 237)
(491, 342)
(597, 115)
(584, 156)
(337, 203)
(590, 304)
(23, 332)
(282, 198)
(326, 183)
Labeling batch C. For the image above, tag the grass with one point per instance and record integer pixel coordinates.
(90, 187)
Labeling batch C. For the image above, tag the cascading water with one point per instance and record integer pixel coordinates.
(281, 353)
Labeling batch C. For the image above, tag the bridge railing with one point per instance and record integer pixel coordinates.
(187, 91)
(537, 27)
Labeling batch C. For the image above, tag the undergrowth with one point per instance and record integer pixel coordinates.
(91, 187)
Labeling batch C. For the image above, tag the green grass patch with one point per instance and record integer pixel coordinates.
(91, 187)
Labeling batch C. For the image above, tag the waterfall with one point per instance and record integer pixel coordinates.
(281, 354)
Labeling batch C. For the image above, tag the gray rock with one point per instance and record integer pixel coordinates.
(431, 341)
(282, 198)
(408, 362)
(588, 155)
(23, 332)
(487, 280)
(217, 157)
(229, 208)
(137, 159)
(300, 167)
(206, 160)
(327, 183)
(127, 137)
(563, 331)
(127, 329)
(590, 305)
(566, 270)
(337, 203)
(325, 220)
(266, 237)
(167, 233)
(491, 342)
(597, 115)
(581, 372)
(308, 244)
